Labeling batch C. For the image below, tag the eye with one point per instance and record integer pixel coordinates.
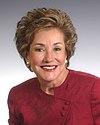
(39, 49)
(57, 49)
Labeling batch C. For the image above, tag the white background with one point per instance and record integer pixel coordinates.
(85, 15)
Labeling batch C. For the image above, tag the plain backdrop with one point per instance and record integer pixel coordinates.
(85, 15)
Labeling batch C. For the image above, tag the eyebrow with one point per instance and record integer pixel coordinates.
(41, 44)
(58, 43)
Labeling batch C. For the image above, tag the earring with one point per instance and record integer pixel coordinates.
(28, 64)
(66, 61)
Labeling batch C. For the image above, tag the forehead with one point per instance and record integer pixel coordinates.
(49, 34)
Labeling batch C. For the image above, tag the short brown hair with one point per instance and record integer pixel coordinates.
(42, 18)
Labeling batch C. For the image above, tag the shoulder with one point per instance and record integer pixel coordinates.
(84, 79)
(83, 75)
(82, 83)
(24, 87)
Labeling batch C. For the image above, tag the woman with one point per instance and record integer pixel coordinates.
(45, 39)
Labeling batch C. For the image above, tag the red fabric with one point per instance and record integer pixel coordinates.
(75, 102)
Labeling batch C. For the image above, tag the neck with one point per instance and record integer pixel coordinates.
(48, 86)
(48, 90)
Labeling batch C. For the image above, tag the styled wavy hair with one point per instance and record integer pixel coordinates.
(42, 18)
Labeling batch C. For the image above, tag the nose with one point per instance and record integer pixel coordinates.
(49, 56)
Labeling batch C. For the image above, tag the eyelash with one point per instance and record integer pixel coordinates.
(42, 49)
(39, 49)
(57, 49)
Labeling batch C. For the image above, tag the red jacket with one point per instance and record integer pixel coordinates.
(75, 102)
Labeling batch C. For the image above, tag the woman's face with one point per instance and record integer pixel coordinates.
(47, 55)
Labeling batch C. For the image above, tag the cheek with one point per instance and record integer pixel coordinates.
(62, 58)
(35, 59)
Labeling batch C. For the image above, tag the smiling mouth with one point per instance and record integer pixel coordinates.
(48, 67)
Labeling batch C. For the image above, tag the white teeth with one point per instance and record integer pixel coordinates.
(49, 67)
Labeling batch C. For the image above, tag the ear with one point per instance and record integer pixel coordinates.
(66, 55)
(27, 58)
